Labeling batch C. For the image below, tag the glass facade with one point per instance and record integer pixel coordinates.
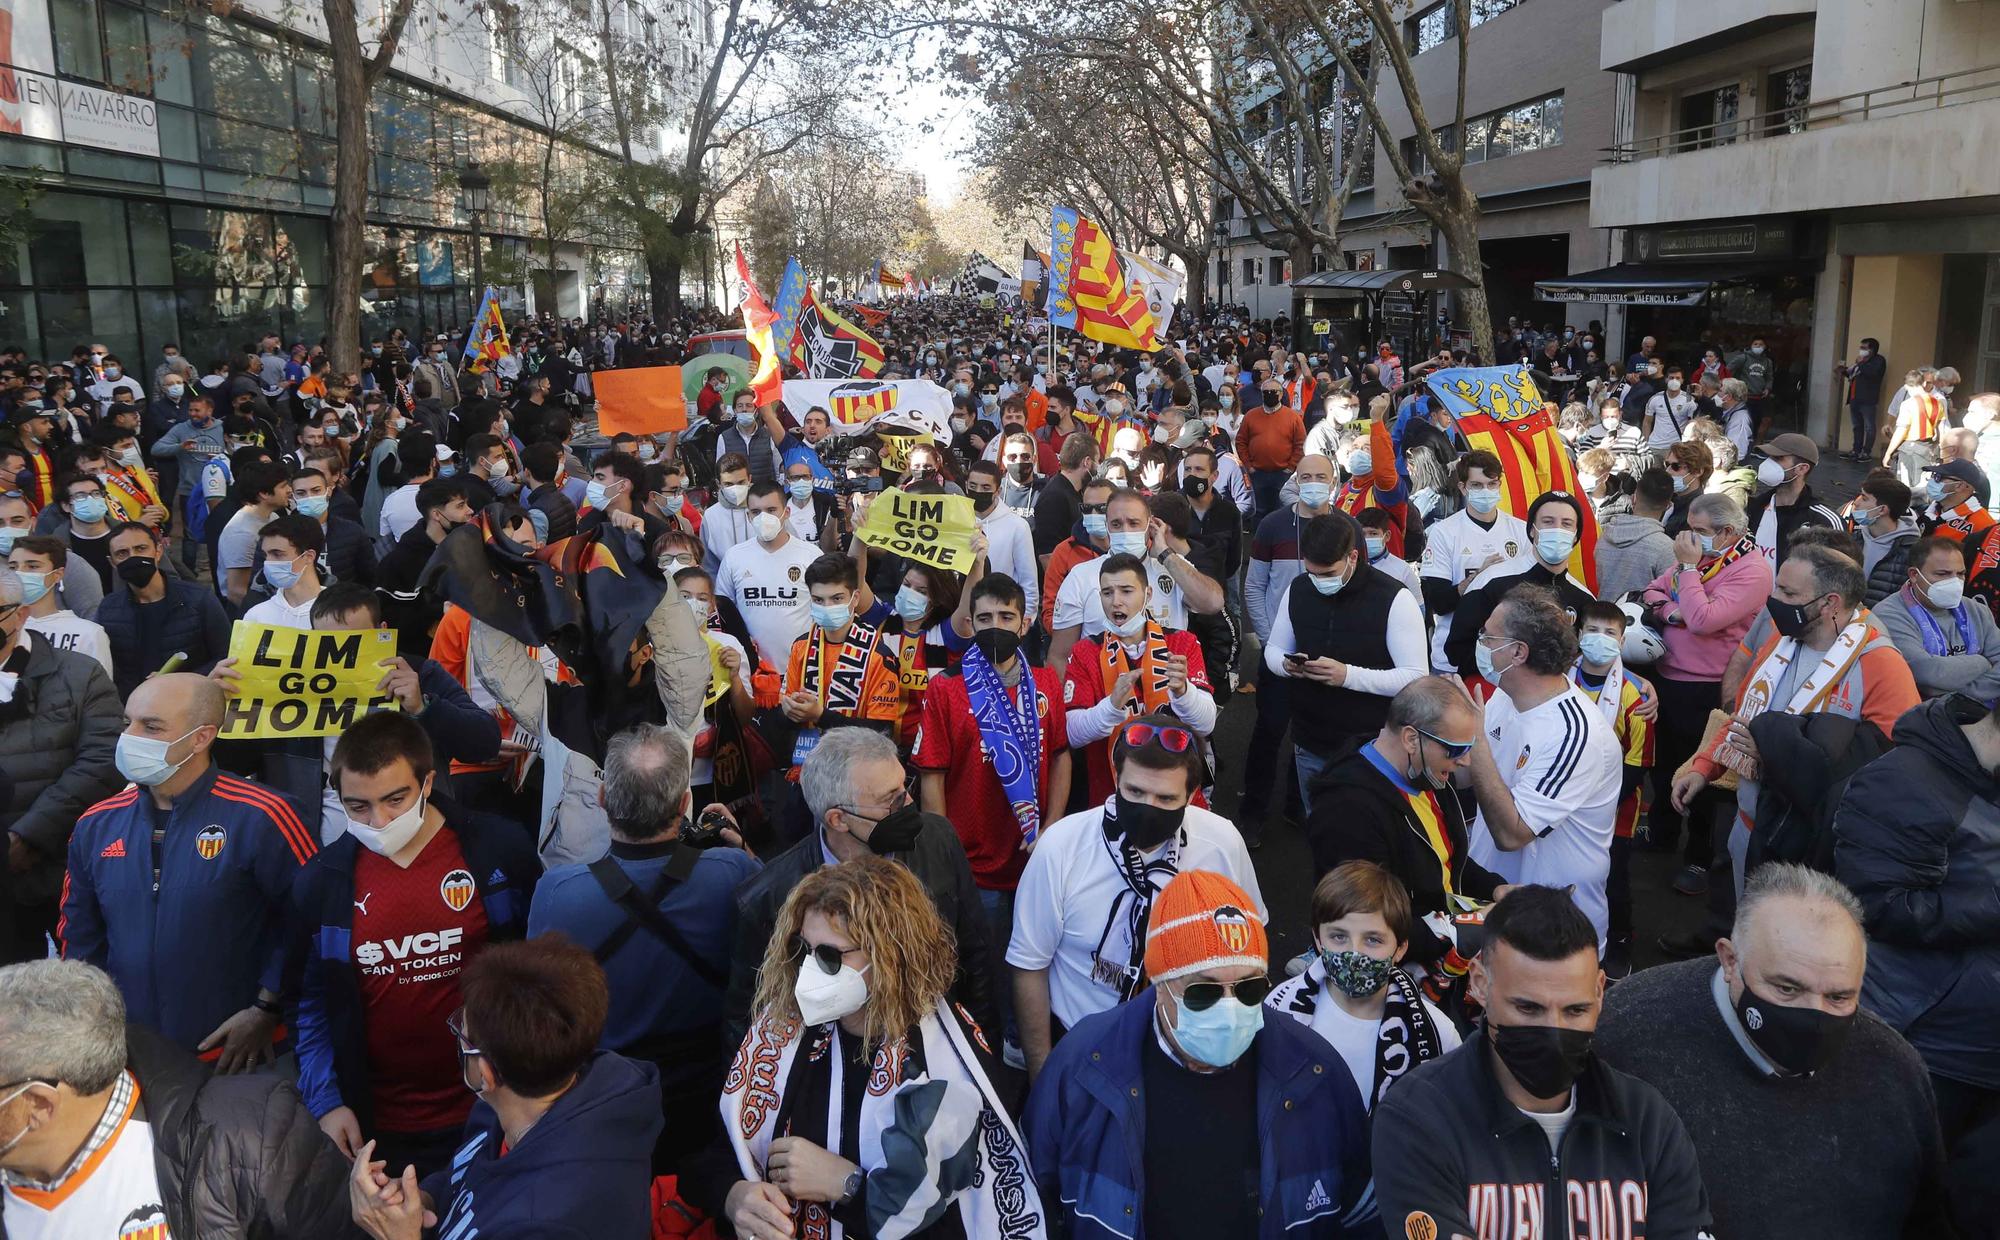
(224, 235)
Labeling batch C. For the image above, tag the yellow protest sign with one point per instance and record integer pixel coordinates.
(718, 675)
(896, 448)
(934, 529)
(304, 682)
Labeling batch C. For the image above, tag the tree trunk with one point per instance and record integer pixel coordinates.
(1196, 292)
(1460, 227)
(346, 225)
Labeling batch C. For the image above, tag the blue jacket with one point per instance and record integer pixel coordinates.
(190, 951)
(330, 1034)
(191, 619)
(1086, 1137)
(583, 1172)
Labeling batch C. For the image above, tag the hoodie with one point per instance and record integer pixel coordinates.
(583, 1170)
(1885, 558)
(1631, 551)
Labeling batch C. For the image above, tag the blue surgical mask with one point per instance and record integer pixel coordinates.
(1598, 647)
(1129, 542)
(1315, 494)
(801, 489)
(447, 470)
(1680, 483)
(143, 759)
(7, 536)
(911, 605)
(1707, 542)
(1483, 659)
(1482, 500)
(1361, 463)
(282, 574)
(313, 506)
(1554, 546)
(1219, 1034)
(33, 587)
(89, 509)
(837, 616)
(1095, 523)
(1377, 548)
(1326, 585)
(1935, 490)
(593, 494)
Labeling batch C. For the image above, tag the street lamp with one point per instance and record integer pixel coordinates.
(476, 184)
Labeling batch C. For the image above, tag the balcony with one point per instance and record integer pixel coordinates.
(1639, 34)
(1923, 141)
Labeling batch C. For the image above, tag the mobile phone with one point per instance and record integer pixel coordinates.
(1295, 657)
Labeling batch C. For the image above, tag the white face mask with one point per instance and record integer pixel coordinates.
(824, 997)
(735, 494)
(387, 841)
(766, 526)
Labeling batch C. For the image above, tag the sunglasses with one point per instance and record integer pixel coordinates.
(1173, 740)
(1250, 992)
(828, 957)
(1096, 508)
(1452, 749)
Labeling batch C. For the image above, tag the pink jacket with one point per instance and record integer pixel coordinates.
(1714, 614)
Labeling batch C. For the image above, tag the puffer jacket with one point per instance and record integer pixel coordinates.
(238, 1156)
(1917, 839)
(1892, 563)
(57, 741)
(193, 621)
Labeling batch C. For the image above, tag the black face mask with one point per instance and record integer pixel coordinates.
(998, 645)
(1146, 827)
(1194, 488)
(138, 571)
(1271, 399)
(1543, 1058)
(1790, 619)
(1022, 471)
(982, 501)
(1799, 1040)
(897, 832)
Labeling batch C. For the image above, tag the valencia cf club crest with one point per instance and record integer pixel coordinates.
(794, 572)
(457, 890)
(1166, 584)
(1522, 761)
(209, 841)
(1232, 925)
(148, 1222)
(1513, 549)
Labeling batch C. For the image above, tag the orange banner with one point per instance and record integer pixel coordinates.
(642, 401)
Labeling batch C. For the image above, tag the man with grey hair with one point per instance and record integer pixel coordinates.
(107, 1130)
(1765, 1047)
(857, 792)
(1732, 410)
(659, 913)
(58, 729)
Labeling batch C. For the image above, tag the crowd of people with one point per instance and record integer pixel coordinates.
(704, 870)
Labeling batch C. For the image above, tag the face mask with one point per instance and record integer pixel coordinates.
(1114, 408)
(281, 574)
(1271, 399)
(89, 510)
(830, 617)
(998, 645)
(1194, 488)
(1022, 472)
(1756, 350)
(1799, 1040)
(1146, 827)
(823, 998)
(1095, 524)
(961, 389)
(896, 831)
(699, 607)
(1355, 974)
(911, 605)
(1598, 647)
(1546, 1060)
(34, 586)
(1946, 594)
(800, 489)
(1790, 618)
(397, 424)
(1160, 434)
(744, 421)
(174, 390)
(1218, 1034)
(1326, 585)
(111, 372)
(983, 501)
(734, 495)
(1343, 414)
(1707, 542)
(1863, 352)
(959, 425)
(1361, 463)
(7, 536)
(313, 506)
(1377, 548)
(1770, 473)
(387, 841)
(1315, 494)
(1934, 490)
(1554, 546)
(766, 526)
(1680, 483)
(594, 494)
(1482, 500)
(1588, 482)
(990, 401)
(143, 759)
(1128, 542)
(1482, 658)
(1225, 399)
(138, 571)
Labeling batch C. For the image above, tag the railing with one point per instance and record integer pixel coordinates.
(1922, 95)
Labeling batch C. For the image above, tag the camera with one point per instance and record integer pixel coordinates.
(706, 830)
(867, 484)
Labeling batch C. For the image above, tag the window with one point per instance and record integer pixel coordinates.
(1708, 117)
(1786, 96)
(1512, 131)
(1249, 273)
(1440, 22)
(79, 44)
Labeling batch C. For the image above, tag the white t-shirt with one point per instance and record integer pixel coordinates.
(1010, 549)
(118, 1194)
(237, 547)
(1404, 571)
(399, 512)
(769, 588)
(702, 770)
(1355, 1039)
(1063, 905)
(65, 630)
(1457, 545)
(800, 521)
(1077, 602)
(1671, 414)
(275, 610)
(1562, 763)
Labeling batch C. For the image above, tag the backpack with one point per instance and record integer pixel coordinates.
(195, 511)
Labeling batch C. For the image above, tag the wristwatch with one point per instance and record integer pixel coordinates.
(852, 1188)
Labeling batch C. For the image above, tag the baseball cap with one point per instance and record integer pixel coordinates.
(1203, 921)
(444, 453)
(1792, 444)
(21, 415)
(863, 458)
(1963, 471)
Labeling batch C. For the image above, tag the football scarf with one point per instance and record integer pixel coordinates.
(1742, 547)
(1124, 970)
(1407, 1035)
(927, 1106)
(1150, 693)
(1010, 731)
(1812, 692)
(1610, 696)
(840, 687)
(1935, 641)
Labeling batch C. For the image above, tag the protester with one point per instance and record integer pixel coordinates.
(38, 561)
(1951, 645)
(117, 1133)
(1109, 1129)
(1784, 500)
(1555, 523)
(1467, 543)
(1880, 513)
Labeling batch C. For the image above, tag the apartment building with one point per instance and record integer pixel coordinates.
(181, 162)
(1814, 171)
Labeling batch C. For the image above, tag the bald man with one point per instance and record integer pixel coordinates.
(177, 885)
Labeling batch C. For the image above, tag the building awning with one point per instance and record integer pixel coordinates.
(1656, 284)
(1366, 283)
